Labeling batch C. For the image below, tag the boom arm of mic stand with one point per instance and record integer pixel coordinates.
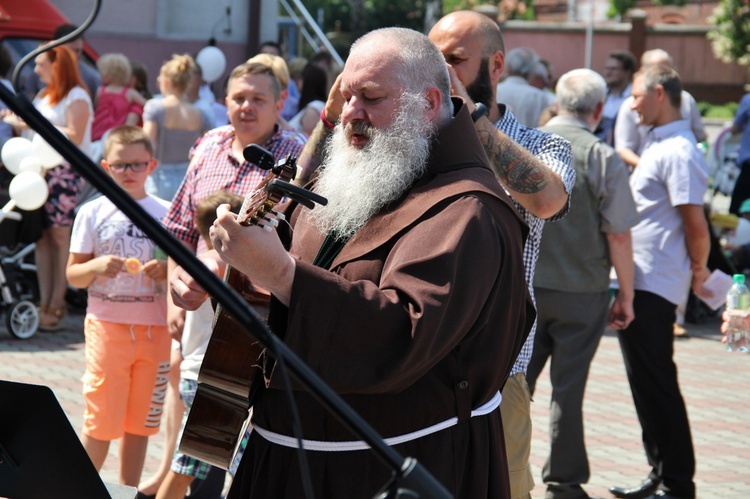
(215, 287)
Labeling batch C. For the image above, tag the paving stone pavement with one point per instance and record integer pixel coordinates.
(714, 383)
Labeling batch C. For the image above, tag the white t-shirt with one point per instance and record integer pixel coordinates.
(100, 228)
(526, 102)
(671, 172)
(195, 337)
(56, 114)
(296, 121)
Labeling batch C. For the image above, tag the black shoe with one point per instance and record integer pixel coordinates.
(644, 490)
(568, 491)
(660, 494)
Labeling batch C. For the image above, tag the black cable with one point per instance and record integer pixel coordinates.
(297, 426)
(15, 79)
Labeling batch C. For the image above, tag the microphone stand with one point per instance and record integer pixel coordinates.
(410, 479)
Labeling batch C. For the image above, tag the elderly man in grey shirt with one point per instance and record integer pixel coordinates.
(572, 279)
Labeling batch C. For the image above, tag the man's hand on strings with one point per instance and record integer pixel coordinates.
(256, 251)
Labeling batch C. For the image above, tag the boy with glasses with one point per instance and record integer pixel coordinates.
(127, 342)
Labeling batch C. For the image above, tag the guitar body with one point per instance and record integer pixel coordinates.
(230, 375)
(227, 383)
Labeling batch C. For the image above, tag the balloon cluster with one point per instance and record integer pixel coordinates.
(28, 160)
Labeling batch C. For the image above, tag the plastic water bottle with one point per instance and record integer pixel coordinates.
(159, 287)
(738, 308)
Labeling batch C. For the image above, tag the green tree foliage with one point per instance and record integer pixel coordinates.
(406, 14)
(360, 16)
(507, 9)
(336, 13)
(731, 39)
(618, 8)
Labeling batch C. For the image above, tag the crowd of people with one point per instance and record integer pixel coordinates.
(481, 220)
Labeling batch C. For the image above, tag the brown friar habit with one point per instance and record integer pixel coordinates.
(419, 320)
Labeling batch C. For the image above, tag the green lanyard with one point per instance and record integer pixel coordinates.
(329, 249)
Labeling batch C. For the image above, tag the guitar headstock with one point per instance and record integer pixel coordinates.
(255, 207)
(261, 201)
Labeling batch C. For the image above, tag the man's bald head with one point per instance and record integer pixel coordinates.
(473, 45)
(655, 57)
(410, 57)
(479, 25)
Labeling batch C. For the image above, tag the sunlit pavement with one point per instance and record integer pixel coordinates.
(714, 384)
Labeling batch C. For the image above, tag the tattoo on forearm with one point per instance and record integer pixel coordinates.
(516, 167)
(318, 141)
(312, 155)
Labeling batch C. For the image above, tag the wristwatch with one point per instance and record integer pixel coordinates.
(479, 111)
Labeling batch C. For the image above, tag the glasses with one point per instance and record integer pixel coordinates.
(136, 167)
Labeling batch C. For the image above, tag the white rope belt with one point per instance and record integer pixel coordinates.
(319, 445)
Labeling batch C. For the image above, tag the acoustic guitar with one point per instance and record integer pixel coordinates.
(230, 376)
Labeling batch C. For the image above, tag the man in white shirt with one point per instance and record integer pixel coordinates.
(630, 134)
(670, 250)
(630, 139)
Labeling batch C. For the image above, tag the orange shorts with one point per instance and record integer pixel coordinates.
(127, 370)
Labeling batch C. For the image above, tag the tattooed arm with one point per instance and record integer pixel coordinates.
(531, 183)
(529, 179)
(312, 154)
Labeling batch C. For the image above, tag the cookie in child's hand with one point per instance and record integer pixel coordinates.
(133, 265)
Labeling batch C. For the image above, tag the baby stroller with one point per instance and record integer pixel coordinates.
(18, 283)
(722, 162)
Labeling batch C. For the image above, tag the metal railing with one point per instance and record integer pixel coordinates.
(308, 28)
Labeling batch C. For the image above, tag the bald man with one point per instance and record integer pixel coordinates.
(534, 168)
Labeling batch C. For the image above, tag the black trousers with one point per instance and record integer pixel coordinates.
(647, 348)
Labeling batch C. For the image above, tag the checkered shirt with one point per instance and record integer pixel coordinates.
(555, 152)
(213, 166)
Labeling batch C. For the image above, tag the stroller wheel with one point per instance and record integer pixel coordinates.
(22, 319)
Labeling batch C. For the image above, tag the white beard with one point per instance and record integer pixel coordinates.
(359, 182)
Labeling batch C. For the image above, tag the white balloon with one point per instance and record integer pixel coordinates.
(29, 190)
(14, 151)
(31, 164)
(47, 155)
(212, 62)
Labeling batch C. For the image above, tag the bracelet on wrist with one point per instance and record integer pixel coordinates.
(325, 121)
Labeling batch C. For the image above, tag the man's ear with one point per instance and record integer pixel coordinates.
(659, 93)
(434, 101)
(497, 67)
(597, 114)
(280, 102)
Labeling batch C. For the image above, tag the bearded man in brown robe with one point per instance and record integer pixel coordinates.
(420, 307)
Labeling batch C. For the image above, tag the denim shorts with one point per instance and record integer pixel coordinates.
(182, 463)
